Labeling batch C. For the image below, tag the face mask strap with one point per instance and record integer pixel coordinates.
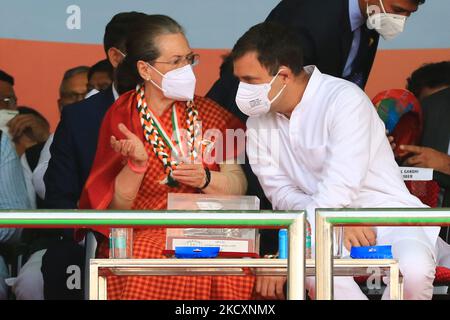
(153, 82)
(155, 69)
(278, 94)
(382, 6)
(282, 89)
(275, 76)
(123, 54)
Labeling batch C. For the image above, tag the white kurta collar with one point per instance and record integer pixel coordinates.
(307, 102)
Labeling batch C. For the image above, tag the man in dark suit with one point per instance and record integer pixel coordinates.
(431, 83)
(72, 154)
(334, 35)
(75, 142)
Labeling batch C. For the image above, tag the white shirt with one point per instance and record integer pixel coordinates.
(35, 179)
(333, 153)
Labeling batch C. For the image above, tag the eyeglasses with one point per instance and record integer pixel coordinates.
(8, 102)
(192, 58)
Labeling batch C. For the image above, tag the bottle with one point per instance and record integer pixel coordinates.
(283, 244)
(111, 245)
(121, 243)
(308, 240)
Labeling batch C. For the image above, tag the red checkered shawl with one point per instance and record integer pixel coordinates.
(150, 242)
(99, 188)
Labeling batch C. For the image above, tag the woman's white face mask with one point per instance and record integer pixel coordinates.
(388, 25)
(178, 84)
(253, 99)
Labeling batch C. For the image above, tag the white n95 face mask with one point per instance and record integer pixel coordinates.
(388, 25)
(178, 84)
(253, 99)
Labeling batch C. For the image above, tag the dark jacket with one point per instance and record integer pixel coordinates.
(324, 30)
(436, 132)
(73, 150)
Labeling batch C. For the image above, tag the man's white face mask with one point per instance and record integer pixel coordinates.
(388, 25)
(178, 84)
(253, 99)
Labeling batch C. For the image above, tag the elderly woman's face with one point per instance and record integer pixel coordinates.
(174, 52)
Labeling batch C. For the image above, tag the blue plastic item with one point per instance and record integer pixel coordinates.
(196, 252)
(282, 244)
(372, 252)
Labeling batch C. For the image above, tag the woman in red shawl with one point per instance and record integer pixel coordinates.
(138, 163)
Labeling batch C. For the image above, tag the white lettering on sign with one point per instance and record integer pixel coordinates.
(416, 174)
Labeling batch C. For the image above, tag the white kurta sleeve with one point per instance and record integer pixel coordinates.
(348, 153)
(278, 187)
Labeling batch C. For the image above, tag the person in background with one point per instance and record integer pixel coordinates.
(429, 79)
(31, 129)
(13, 195)
(8, 98)
(403, 116)
(29, 282)
(75, 141)
(338, 36)
(26, 128)
(38, 156)
(72, 154)
(29, 148)
(100, 77)
(431, 84)
(74, 86)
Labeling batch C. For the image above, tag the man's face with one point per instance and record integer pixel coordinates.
(8, 99)
(401, 7)
(74, 90)
(99, 81)
(249, 70)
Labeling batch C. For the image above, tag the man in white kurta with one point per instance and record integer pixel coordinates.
(316, 141)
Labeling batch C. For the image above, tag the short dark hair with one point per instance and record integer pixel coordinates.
(275, 45)
(6, 77)
(116, 31)
(101, 66)
(431, 75)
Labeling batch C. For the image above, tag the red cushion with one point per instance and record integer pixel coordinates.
(426, 191)
(442, 276)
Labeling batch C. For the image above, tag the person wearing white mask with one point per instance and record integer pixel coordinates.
(338, 36)
(143, 155)
(331, 152)
(335, 38)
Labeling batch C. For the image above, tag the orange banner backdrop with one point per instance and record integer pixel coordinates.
(38, 68)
